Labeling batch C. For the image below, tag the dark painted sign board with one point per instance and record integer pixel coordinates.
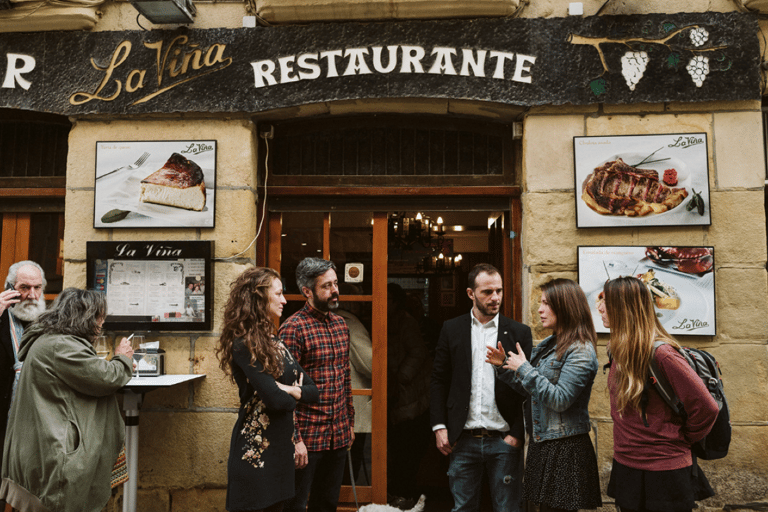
(651, 58)
(153, 285)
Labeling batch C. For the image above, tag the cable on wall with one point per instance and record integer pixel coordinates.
(266, 136)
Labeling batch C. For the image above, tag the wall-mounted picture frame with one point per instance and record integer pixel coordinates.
(447, 299)
(151, 184)
(681, 281)
(153, 286)
(642, 180)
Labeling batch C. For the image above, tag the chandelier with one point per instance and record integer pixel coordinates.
(423, 235)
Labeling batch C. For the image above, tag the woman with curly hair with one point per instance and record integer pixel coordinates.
(652, 465)
(271, 382)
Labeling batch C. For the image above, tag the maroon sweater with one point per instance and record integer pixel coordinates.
(665, 443)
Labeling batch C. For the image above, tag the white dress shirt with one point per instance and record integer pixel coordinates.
(483, 412)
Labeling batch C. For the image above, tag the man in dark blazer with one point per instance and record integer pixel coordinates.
(477, 419)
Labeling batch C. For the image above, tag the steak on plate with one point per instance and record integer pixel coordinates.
(616, 188)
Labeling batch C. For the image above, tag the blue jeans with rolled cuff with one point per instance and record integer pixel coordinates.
(503, 465)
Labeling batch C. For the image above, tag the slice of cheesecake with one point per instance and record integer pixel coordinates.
(178, 183)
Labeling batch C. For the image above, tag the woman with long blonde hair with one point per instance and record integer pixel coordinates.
(652, 467)
(561, 467)
(260, 471)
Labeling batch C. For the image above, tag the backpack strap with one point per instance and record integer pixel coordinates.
(659, 381)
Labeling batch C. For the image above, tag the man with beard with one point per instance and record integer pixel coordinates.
(20, 304)
(319, 340)
(477, 419)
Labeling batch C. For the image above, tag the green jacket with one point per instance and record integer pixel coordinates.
(65, 430)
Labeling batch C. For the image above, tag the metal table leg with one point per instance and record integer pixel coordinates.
(131, 405)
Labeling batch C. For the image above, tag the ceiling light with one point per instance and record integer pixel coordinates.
(166, 11)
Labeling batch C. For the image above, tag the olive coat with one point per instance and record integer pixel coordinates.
(65, 430)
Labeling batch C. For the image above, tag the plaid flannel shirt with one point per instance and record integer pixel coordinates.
(320, 343)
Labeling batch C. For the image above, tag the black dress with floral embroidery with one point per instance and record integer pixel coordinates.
(261, 468)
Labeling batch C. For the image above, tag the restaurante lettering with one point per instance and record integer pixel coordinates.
(398, 59)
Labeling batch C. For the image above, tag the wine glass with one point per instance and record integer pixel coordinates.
(101, 346)
(138, 353)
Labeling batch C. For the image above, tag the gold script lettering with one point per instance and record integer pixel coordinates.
(129, 82)
(211, 58)
(118, 57)
(174, 68)
(196, 63)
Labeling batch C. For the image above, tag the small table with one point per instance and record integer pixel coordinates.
(134, 394)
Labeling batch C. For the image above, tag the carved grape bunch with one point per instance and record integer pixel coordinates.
(698, 68)
(699, 36)
(633, 66)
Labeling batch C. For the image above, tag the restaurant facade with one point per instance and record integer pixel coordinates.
(406, 141)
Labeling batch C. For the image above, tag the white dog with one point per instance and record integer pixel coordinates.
(375, 507)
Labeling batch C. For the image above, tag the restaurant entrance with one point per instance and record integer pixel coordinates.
(402, 272)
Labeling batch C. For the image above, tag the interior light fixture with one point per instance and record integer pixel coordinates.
(162, 12)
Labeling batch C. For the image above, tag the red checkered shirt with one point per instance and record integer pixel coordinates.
(320, 343)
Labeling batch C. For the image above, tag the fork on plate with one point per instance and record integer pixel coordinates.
(135, 165)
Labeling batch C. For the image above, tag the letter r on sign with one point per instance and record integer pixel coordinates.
(263, 71)
(13, 73)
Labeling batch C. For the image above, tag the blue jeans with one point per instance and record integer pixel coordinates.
(319, 482)
(500, 461)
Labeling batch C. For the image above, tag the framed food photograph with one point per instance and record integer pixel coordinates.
(151, 184)
(681, 281)
(153, 286)
(642, 180)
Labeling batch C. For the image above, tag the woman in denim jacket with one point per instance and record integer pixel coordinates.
(561, 468)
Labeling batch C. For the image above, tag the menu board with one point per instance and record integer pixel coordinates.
(153, 286)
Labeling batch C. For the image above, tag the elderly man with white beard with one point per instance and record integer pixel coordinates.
(20, 304)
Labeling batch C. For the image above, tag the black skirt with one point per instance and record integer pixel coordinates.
(562, 473)
(662, 491)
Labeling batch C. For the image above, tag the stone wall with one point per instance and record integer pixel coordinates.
(185, 430)
(737, 174)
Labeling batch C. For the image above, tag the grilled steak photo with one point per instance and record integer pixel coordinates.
(616, 188)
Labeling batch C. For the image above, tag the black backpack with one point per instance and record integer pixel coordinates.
(715, 444)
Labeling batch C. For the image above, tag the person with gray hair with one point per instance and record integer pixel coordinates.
(21, 303)
(319, 341)
(66, 404)
(307, 272)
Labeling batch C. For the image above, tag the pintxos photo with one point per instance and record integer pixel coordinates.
(679, 279)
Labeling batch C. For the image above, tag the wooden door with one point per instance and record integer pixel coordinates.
(359, 239)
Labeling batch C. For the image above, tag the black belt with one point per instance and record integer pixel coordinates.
(484, 432)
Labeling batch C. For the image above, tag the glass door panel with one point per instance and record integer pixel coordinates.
(301, 237)
(351, 243)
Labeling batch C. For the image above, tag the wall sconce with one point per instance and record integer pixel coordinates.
(166, 11)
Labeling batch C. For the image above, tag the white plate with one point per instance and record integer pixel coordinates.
(126, 190)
